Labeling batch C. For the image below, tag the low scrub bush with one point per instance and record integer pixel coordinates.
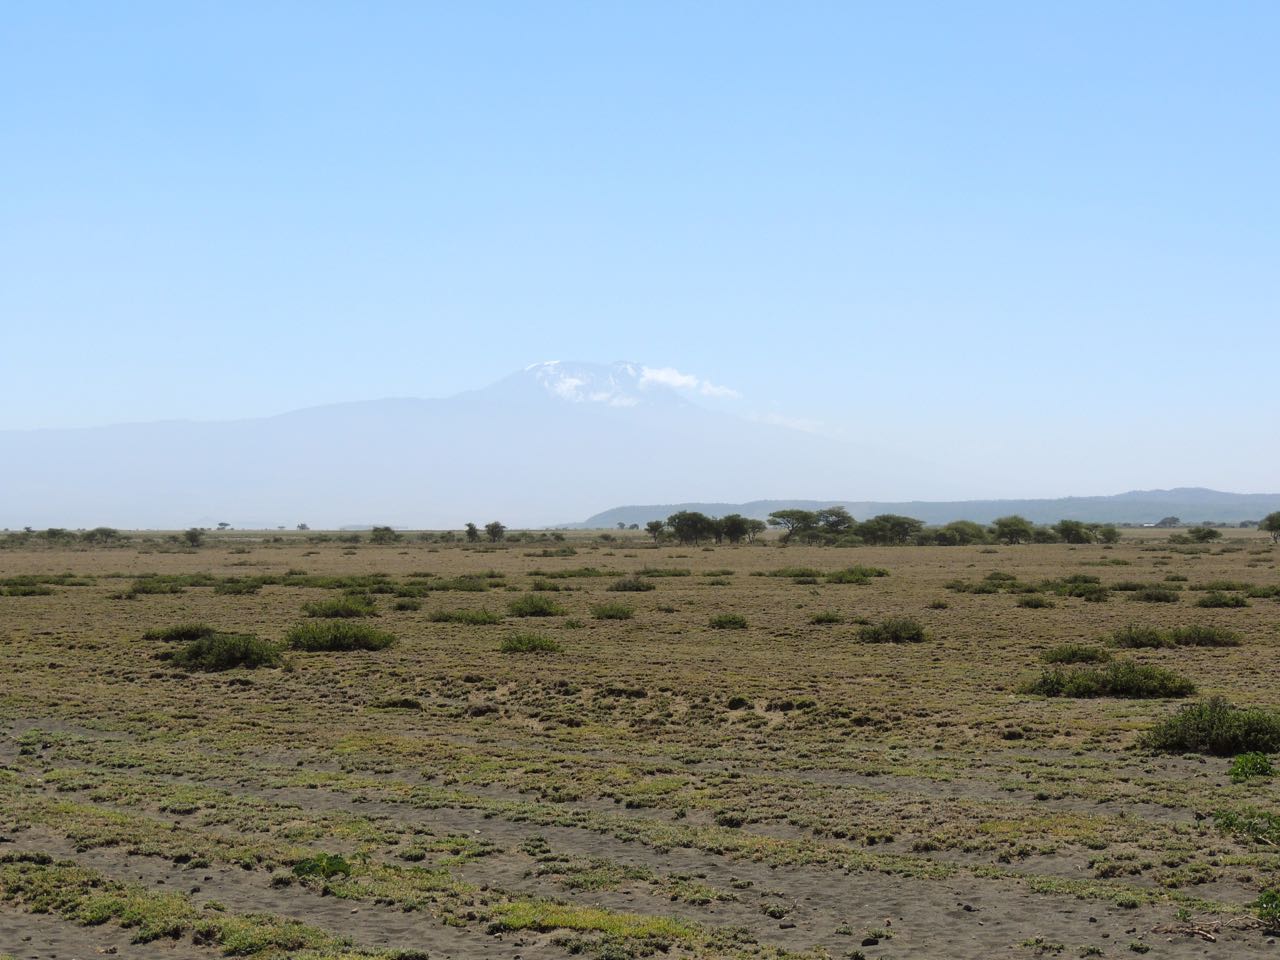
(234, 587)
(826, 616)
(729, 621)
(1155, 595)
(324, 865)
(1120, 678)
(337, 635)
(1216, 599)
(1250, 765)
(534, 605)
(180, 632)
(1034, 601)
(226, 651)
(1216, 728)
(345, 607)
(1198, 635)
(474, 618)
(856, 574)
(631, 585)
(613, 611)
(893, 630)
(529, 643)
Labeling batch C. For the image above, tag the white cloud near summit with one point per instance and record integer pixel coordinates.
(671, 377)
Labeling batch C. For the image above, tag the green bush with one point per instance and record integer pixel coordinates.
(729, 621)
(28, 590)
(474, 618)
(1250, 765)
(893, 630)
(1155, 595)
(1120, 678)
(534, 605)
(324, 865)
(856, 574)
(613, 611)
(1216, 599)
(1136, 636)
(237, 587)
(1198, 635)
(1075, 653)
(1216, 728)
(826, 616)
(337, 635)
(183, 632)
(346, 606)
(407, 605)
(1034, 601)
(529, 643)
(226, 651)
(1268, 907)
(632, 585)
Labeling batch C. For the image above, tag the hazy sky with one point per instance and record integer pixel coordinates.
(1040, 235)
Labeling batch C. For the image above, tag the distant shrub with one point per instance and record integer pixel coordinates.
(1034, 601)
(856, 574)
(1198, 635)
(665, 572)
(738, 703)
(631, 585)
(324, 865)
(1216, 599)
(28, 590)
(613, 611)
(150, 585)
(729, 621)
(407, 604)
(346, 606)
(226, 651)
(1135, 636)
(1120, 678)
(794, 572)
(1220, 586)
(1247, 766)
(184, 632)
(1155, 595)
(534, 605)
(337, 635)
(826, 616)
(1075, 653)
(474, 618)
(529, 643)
(893, 630)
(1217, 728)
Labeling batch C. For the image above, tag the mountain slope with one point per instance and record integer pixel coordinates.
(545, 444)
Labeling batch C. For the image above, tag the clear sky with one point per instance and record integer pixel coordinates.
(991, 229)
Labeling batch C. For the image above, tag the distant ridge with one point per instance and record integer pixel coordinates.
(1190, 504)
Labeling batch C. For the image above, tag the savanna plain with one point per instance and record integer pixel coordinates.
(292, 746)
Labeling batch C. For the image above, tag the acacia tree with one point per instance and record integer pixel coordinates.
(834, 520)
(734, 527)
(1074, 531)
(1271, 524)
(654, 528)
(495, 531)
(1013, 529)
(473, 533)
(755, 528)
(690, 526)
(194, 536)
(793, 522)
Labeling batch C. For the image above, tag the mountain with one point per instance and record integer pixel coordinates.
(1190, 504)
(545, 444)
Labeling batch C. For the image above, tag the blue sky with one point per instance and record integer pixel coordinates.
(990, 229)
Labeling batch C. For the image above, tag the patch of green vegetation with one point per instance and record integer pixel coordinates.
(1251, 766)
(474, 618)
(632, 585)
(529, 643)
(728, 621)
(1120, 678)
(347, 606)
(180, 632)
(893, 630)
(613, 611)
(1217, 728)
(1222, 600)
(534, 605)
(336, 635)
(825, 617)
(225, 651)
